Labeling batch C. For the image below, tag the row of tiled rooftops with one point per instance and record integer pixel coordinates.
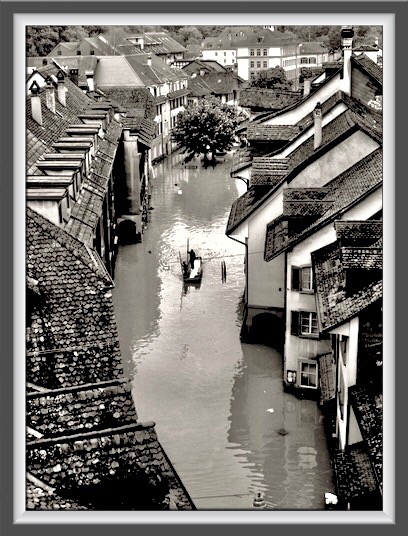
(85, 445)
(83, 435)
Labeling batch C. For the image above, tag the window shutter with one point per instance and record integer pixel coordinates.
(296, 272)
(294, 324)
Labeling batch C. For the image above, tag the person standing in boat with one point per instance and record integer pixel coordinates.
(192, 258)
(185, 268)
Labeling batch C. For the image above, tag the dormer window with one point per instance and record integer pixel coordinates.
(92, 52)
(260, 39)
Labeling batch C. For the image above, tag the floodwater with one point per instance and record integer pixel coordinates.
(219, 406)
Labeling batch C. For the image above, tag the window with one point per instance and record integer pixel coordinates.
(92, 52)
(308, 374)
(252, 64)
(303, 60)
(225, 53)
(260, 39)
(265, 51)
(258, 51)
(78, 52)
(258, 64)
(312, 60)
(308, 323)
(216, 53)
(252, 52)
(59, 52)
(302, 279)
(304, 324)
(265, 64)
(252, 75)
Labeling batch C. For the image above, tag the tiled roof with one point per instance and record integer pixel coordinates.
(221, 83)
(245, 205)
(158, 72)
(369, 415)
(241, 159)
(178, 93)
(362, 257)
(82, 63)
(369, 67)
(268, 99)
(72, 410)
(72, 337)
(162, 43)
(355, 476)
(345, 190)
(133, 99)
(117, 72)
(54, 125)
(352, 233)
(198, 87)
(130, 454)
(269, 39)
(313, 47)
(40, 496)
(259, 132)
(198, 65)
(336, 302)
(86, 212)
(268, 171)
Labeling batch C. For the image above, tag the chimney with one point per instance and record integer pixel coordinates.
(306, 87)
(347, 34)
(61, 90)
(73, 74)
(90, 80)
(149, 60)
(317, 117)
(376, 42)
(36, 103)
(49, 94)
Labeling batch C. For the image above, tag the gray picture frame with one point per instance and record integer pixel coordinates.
(394, 95)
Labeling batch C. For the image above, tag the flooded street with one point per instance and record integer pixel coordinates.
(219, 406)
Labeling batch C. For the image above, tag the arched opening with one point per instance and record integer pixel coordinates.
(127, 232)
(268, 329)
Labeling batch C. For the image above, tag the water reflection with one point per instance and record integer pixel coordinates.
(219, 407)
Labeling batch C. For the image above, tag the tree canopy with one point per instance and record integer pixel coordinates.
(274, 78)
(206, 128)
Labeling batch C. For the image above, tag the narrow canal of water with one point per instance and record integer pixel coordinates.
(218, 404)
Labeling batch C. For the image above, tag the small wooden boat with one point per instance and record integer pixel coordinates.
(192, 267)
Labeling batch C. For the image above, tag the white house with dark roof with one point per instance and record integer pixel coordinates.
(266, 49)
(305, 225)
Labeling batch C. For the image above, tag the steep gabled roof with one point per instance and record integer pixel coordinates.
(365, 64)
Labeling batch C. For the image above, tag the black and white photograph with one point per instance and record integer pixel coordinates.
(204, 266)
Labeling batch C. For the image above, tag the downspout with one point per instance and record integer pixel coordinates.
(245, 315)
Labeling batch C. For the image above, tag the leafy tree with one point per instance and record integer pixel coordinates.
(206, 128)
(190, 35)
(274, 78)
